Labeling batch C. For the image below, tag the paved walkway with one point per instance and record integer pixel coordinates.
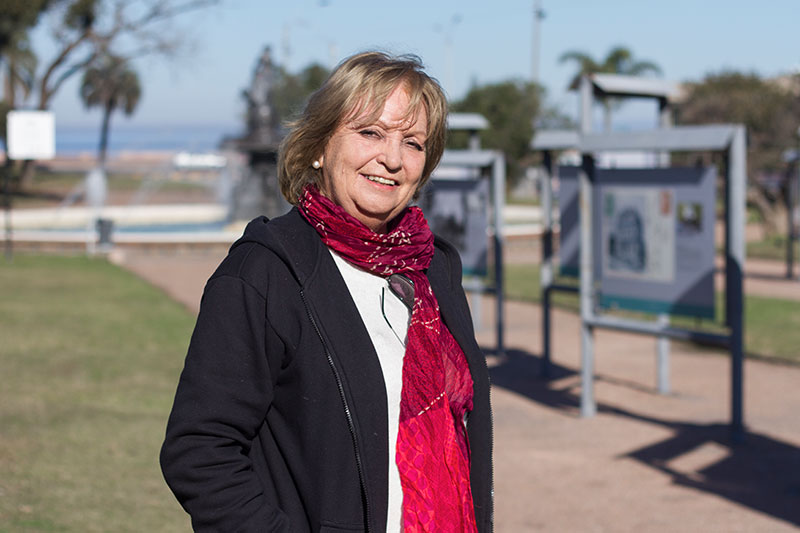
(646, 462)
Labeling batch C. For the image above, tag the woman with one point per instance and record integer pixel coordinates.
(333, 381)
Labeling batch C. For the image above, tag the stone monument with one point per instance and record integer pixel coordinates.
(257, 192)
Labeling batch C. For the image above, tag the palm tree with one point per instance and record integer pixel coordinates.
(111, 84)
(619, 60)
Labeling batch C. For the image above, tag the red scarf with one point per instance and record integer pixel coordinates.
(432, 449)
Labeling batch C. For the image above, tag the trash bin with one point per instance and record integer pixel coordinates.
(105, 226)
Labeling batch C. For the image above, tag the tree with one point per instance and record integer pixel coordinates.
(16, 17)
(292, 90)
(619, 60)
(20, 71)
(510, 107)
(18, 77)
(16, 56)
(110, 84)
(770, 111)
(86, 30)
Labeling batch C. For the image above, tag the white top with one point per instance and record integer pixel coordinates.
(367, 290)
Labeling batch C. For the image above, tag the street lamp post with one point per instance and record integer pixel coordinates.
(538, 15)
(792, 193)
(448, 50)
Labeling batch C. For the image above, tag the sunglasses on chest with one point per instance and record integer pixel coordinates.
(403, 288)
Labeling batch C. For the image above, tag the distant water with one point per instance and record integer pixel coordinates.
(72, 140)
(191, 227)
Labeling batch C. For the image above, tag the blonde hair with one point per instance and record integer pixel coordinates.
(359, 84)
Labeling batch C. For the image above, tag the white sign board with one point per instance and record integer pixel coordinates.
(31, 135)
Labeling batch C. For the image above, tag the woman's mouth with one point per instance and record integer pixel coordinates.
(382, 181)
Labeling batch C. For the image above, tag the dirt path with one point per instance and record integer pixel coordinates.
(646, 462)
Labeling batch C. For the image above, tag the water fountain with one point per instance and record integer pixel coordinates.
(245, 179)
(257, 192)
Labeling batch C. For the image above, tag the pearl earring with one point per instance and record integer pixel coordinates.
(316, 164)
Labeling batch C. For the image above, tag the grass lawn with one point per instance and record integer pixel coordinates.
(772, 248)
(90, 358)
(772, 326)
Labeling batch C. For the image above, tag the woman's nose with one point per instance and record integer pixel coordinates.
(391, 155)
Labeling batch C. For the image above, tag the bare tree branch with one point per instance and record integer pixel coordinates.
(92, 29)
(118, 26)
(45, 91)
(71, 70)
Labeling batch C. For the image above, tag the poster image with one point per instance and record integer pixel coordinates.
(690, 218)
(638, 233)
(653, 239)
(457, 210)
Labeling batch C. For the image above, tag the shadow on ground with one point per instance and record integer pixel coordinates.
(761, 472)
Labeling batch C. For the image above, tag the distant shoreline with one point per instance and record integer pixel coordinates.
(77, 140)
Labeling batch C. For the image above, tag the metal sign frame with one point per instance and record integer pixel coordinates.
(494, 161)
(729, 139)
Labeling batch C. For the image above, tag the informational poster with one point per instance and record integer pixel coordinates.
(458, 211)
(632, 221)
(653, 238)
(569, 236)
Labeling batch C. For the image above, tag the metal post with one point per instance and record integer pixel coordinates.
(499, 175)
(546, 270)
(588, 407)
(474, 140)
(475, 289)
(796, 193)
(790, 237)
(9, 246)
(662, 342)
(586, 101)
(662, 357)
(538, 15)
(664, 121)
(734, 268)
(477, 306)
(586, 175)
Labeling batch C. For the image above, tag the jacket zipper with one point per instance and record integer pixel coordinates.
(347, 413)
(491, 465)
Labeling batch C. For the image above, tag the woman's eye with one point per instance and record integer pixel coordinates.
(415, 145)
(369, 133)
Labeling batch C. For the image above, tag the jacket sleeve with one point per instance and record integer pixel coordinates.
(223, 395)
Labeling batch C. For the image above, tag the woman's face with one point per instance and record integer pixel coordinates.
(373, 169)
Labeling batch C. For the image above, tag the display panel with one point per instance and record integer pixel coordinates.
(458, 211)
(653, 237)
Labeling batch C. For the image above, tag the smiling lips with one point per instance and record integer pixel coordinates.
(382, 181)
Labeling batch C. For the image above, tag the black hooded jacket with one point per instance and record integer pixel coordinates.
(280, 418)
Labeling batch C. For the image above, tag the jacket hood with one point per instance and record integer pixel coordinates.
(290, 237)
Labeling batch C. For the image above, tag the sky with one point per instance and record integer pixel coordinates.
(488, 42)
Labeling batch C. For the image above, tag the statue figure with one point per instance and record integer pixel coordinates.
(262, 122)
(257, 191)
